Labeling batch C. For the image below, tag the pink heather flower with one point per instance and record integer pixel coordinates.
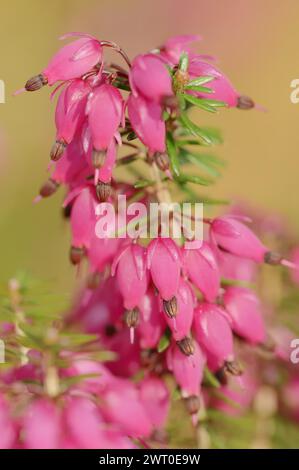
(41, 413)
(174, 46)
(164, 262)
(123, 406)
(180, 325)
(231, 235)
(8, 429)
(146, 119)
(151, 322)
(150, 78)
(72, 61)
(240, 395)
(202, 269)
(213, 332)
(70, 109)
(131, 274)
(187, 370)
(155, 397)
(244, 308)
(105, 109)
(234, 267)
(221, 86)
(83, 217)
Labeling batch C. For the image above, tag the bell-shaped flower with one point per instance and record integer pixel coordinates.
(72, 61)
(70, 110)
(164, 262)
(202, 269)
(187, 370)
(131, 274)
(151, 321)
(146, 120)
(180, 325)
(150, 78)
(213, 332)
(105, 109)
(233, 236)
(244, 308)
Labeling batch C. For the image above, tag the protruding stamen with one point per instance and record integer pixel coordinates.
(162, 161)
(186, 345)
(48, 188)
(103, 191)
(36, 82)
(132, 317)
(273, 258)
(76, 254)
(245, 102)
(57, 150)
(233, 367)
(170, 307)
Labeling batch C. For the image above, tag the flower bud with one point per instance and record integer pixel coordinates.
(36, 82)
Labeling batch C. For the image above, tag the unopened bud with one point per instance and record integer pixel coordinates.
(273, 258)
(132, 317)
(48, 188)
(170, 307)
(36, 82)
(162, 161)
(192, 404)
(186, 346)
(98, 158)
(103, 191)
(76, 254)
(93, 280)
(57, 150)
(245, 102)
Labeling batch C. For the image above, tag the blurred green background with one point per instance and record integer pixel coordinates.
(256, 43)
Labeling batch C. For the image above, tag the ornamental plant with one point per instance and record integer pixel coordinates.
(158, 316)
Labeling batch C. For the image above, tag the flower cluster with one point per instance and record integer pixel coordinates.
(168, 300)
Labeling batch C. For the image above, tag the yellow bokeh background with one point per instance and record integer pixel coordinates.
(256, 44)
